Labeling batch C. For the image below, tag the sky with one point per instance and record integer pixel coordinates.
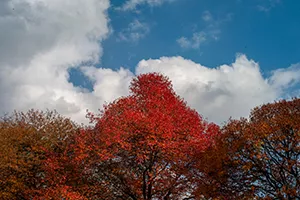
(223, 57)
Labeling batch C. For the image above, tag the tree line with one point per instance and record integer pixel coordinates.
(151, 145)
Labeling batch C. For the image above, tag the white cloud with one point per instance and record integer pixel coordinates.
(211, 31)
(207, 16)
(194, 42)
(267, 5)
(132, 4)
(40, 41)
(135, 31)
(228, 90)
(108, 84)
(282, 78)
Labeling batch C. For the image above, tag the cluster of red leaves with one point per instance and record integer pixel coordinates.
(153, 117)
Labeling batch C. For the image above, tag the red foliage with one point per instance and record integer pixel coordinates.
(143, 146)
(147, 141)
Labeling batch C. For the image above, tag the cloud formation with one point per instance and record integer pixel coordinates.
(216, 93)
(207, 16)
(267, 5)
(211, 31)
(132, 4)
(42, 40)
(135, 31)
(228, 90)
(194, 42)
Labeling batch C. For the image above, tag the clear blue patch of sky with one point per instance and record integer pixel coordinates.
(270, 37)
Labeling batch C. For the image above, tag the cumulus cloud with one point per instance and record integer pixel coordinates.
(132, 4)
(228, 90)
(135, 31)
(40, 41)
(108, 84)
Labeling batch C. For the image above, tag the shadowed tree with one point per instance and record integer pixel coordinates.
(259, 157)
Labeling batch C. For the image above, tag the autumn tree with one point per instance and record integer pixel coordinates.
(67, 171)
(219, 173)
(142, 146)
(24, 140)
(260, 156)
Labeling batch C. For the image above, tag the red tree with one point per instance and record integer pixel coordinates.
(142, 146)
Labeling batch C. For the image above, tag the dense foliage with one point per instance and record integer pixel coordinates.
(258, 157)
(25, 139)
(151, 145)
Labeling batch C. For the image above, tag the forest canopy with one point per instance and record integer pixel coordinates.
(151, 145)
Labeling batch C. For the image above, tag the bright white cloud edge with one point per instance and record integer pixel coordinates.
(225, 91)
(40, 41)
(216, 93)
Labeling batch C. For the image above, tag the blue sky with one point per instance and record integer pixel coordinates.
(269, 36)
(223, 57)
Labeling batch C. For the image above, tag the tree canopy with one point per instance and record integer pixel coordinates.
(257, 157)
(151, 145)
